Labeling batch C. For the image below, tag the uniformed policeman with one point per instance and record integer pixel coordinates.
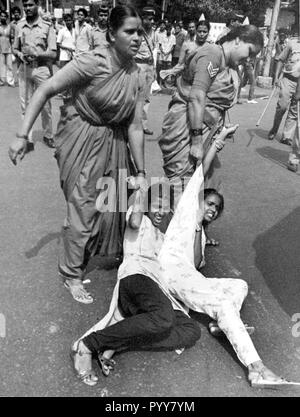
(99, 32)
(145, 60)
(35, 48)
(287, 60)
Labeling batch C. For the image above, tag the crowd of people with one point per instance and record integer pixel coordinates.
(105, 79)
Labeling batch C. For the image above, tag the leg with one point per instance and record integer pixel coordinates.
(149, 78)
(148, 316)
(290, 126)
(286, 90)
(9, 70)
(40, 75)
(25, 89)
(252, 82)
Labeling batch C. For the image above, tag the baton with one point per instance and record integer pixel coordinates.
(267, 105)
(230, 136)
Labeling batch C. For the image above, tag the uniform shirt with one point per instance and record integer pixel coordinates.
(98, 37)
(290, 56)
(158, 37)
(5, 39)
(167, 44)
(147, 46)
(66, 38)
(40, 35)
(203, 66)
(83, 39)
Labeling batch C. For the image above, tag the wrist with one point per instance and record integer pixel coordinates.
(196, 132)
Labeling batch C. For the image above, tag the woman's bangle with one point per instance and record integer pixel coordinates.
(219, 146)
(198, 228)
(22, 136)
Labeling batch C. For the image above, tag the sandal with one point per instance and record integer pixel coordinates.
(259, 379)
(87, 376)
(215, 330)
(79, 293)
(106, 364)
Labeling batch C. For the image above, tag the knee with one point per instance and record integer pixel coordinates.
(163, 319)
(193, 334)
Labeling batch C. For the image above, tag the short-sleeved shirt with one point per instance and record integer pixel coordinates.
(66, 38)
(83, 39)
(40, 35)
(290, 56)
(203, 66)
(158, 37)
(98, 37)
(5, 39)
(167, 44)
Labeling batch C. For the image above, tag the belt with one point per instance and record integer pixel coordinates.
(148, 61)
(290, 77)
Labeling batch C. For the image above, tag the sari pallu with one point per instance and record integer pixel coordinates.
(92, 143)
(175, 141)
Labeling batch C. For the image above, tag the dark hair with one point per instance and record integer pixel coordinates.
(248, 33)
(82, 10)
(67, 16)
(169, 26)
(191, 21)
(25, 1)
(15, 9)
(117, 17)
(4, 12)
(203, 23)
(213, 191)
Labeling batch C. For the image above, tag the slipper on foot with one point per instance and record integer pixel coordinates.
(79, 293)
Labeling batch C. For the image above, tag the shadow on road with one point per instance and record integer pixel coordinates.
(277, 257)
(31, 253)
(277, 156)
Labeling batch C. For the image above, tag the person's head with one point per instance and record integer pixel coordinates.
(148, 14)
(177, 28)
(181, 24)
(31, 8)
(125, 31)
(169, 29)
(166, 20)
(192, 28)
(159, 205)
(203, 28)
(3, 17)
(282, 35)
(162, 26)
(53, 20)
(234, 20)
(82, 14)
(103, 16)
(213, 205)
(241, 43)
(16, 13)
(68, 19)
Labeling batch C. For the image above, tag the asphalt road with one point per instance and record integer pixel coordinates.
(259, 234)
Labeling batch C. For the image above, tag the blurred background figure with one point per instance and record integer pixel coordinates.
(100, 30)
(66, 41)
(83, 37)
(180, 36)
(6, 37)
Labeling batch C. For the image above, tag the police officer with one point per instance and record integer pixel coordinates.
(287, 60)
(98, 34)
(35, 48)
(145, 60)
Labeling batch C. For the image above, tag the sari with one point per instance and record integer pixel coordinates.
(91, 147)
(175, 140)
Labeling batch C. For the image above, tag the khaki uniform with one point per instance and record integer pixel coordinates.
(290, 56)
(145, 61)
(41, 37)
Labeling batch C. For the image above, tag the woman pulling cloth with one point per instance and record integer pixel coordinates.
(95, 128)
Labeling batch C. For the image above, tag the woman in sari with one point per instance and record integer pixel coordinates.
(206, 88)
(98, 136)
